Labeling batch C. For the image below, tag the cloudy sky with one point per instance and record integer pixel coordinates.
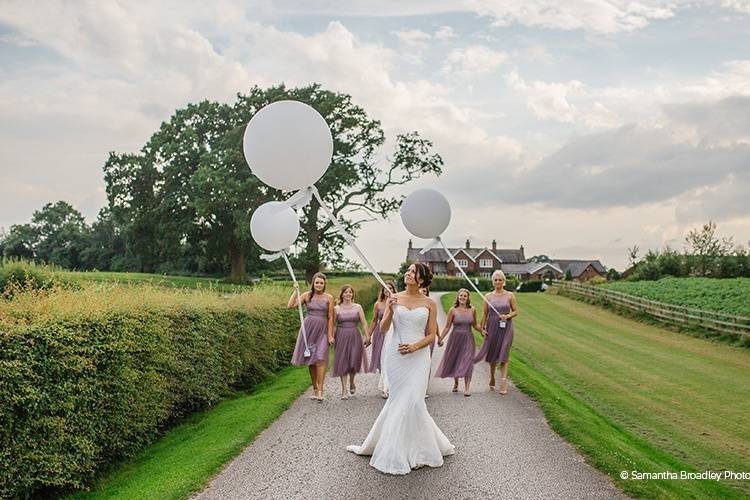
(573, 128)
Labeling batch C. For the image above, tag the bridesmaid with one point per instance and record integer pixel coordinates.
(349, 357)
(375, 334)
(498, 331)
(458, 359)
(319, 329)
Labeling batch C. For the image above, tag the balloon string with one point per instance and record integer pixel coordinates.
(455, 263)
(299, 299)
(348, 238)
(351, 243)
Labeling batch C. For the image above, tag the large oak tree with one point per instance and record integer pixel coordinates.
(187, 197)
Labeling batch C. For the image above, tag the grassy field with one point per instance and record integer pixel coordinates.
(731, 296)
(635, 397)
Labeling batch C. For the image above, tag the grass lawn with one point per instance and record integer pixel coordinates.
(635, 397)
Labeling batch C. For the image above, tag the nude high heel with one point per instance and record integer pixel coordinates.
(503, 386)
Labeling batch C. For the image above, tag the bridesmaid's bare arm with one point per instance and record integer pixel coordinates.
(362, 325)
(374, 317)
(474, 323)
(447, 327)
(293, 299)
(513, 307)
(331, 318)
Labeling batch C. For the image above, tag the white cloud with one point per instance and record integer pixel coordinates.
(548, 101)
(738, 5)
(596, 16)
(445, 33)
(412, 37)
(473, 60)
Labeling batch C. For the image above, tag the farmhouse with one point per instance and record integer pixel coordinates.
(485, 260)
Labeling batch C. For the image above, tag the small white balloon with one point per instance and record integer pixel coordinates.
(288, 145)
(426, 213)
(274, 226)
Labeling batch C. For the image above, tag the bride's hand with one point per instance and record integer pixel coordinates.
(406, 348)
(391, 301)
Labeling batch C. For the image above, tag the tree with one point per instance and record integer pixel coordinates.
(706, 247)
(568, 275)
(61, 234)
(633, 255)
(187, 197)
(540, 258)
(612, 274)
(105, 246)
(20, 241)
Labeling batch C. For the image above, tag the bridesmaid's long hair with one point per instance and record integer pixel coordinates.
(468, 298)
(312, 283)
(391, 285)
(341, 293)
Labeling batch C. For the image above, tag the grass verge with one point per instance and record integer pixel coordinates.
(184, 460)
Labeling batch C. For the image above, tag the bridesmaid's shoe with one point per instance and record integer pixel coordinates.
(467, 393)
(455, 388)
(352, 389)
(344, 395)
(492, 384)
(384, 395)
(503, 386)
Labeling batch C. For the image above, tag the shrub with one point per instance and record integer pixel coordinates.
(89, 377)
(16, 275)
(531, 286)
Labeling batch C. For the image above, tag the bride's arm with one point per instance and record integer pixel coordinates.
(429, 338)
(385, 323)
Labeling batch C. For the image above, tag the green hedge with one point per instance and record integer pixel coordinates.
(89, 377)
(452, 284)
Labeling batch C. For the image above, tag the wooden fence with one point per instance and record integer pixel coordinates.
(667, 313)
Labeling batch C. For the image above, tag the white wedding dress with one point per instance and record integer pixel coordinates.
(404, 436)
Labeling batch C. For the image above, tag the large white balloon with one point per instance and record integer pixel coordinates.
(274, 226)
(426, 213)
(288, 145)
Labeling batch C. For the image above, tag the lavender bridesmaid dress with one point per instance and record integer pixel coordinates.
(377, 343)
(458, 360)
(316, 326)
(349, 355)
(496, 346)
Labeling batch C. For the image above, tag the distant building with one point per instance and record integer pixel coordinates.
(484, 261)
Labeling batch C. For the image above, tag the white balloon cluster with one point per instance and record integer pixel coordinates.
(288, 146)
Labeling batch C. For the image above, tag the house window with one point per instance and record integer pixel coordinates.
(485, 275)
(485, 262)
(463, 262)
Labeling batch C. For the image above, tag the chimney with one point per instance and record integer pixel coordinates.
(468, 244)
(523, 257)
(494, 246)
(409, 243)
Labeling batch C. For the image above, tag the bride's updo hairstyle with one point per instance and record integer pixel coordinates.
(423, 273)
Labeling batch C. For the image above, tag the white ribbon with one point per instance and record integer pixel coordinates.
(438, 241)
(282, 254)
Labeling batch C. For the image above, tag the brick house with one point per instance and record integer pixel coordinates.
(484, 261)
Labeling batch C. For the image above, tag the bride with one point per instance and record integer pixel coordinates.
(404, 436)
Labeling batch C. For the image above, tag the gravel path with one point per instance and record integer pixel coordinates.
(503, 447)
